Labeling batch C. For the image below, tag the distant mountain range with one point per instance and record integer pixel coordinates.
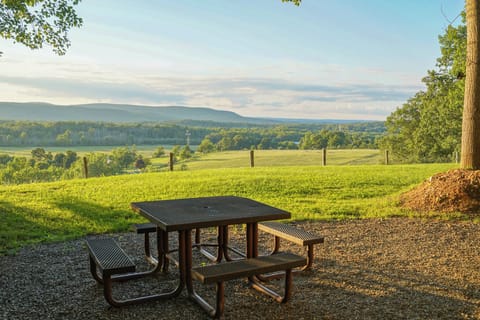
(103, 112)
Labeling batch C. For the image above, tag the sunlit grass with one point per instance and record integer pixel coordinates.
(269, 158)
(62, 210)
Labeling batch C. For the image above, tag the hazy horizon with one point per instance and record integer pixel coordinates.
(338, 60)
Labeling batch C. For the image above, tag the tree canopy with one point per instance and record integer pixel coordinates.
(296, 2)
(35, 23)
(428, 127)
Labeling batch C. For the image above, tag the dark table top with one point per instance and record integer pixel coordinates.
(184, 214)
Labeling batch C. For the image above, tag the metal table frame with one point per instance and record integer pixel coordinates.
(185, 215)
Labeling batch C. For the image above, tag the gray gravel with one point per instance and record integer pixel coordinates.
(367, 269)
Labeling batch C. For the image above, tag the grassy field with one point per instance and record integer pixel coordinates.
(62, 210)
(274, 158)
(232, 159)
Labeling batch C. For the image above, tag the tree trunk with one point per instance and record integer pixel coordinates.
(471, 108)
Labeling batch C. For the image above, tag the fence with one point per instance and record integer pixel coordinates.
(280, 158)
(254, 158)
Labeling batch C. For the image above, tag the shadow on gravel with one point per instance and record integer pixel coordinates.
(343, 291)
(353, 277)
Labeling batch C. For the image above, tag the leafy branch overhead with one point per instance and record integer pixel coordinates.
(35, 23)
(38, 22)
(296, 2)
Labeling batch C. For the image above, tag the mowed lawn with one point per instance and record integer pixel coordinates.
(46, 212)
(273, 158)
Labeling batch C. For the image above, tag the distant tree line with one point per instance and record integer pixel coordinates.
(43, 165)
(338, 139)
(24, 133)
(281, 138)
(244, 136)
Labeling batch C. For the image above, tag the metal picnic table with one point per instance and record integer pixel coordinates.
(185, 215)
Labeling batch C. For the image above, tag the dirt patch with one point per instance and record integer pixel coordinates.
(452, 191)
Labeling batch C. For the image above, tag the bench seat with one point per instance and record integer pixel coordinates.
(107, 256)
(246, 268)
(110, 259)
(292, 234)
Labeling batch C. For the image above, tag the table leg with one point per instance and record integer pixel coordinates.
(255, 240)
(252, 249)
(225, 246)
(221, 250)
(252, 240)
(162, 240)
(187, 259)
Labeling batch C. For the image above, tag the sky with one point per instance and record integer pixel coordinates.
(342, 59)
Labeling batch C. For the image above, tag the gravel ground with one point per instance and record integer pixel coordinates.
(367, 269)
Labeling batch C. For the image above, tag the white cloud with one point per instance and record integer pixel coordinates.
(247, 96)
(293, 89)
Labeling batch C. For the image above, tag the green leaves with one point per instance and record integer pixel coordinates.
(296, 2)
(38, 22)
(427, 128)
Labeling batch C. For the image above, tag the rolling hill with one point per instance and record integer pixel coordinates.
(104, 112)
(113, 113)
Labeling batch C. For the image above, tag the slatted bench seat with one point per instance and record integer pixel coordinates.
(115, 265)
(107, 256)
(218, 273)
(293, 234)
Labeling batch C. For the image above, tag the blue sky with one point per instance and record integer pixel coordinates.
(345, 59)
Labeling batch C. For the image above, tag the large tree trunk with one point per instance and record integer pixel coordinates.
(471, 108)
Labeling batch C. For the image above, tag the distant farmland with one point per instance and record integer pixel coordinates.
(271, 158)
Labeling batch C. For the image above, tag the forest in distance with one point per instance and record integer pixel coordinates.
(184, 142)
(224, 136)
(425, 129)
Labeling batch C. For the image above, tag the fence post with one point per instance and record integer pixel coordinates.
(386, 158)
(324, 157)
(456, 156)
(252, 159)
(85, 167)
(171, 161)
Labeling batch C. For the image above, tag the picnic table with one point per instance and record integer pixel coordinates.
(185, 215)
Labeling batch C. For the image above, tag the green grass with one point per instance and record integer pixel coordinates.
(46, 212)
(272, 158)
